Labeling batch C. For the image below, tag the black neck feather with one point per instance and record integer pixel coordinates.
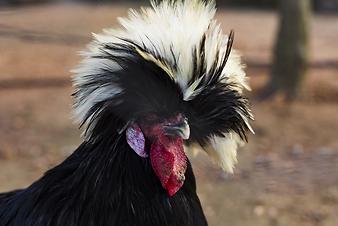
(103, 183)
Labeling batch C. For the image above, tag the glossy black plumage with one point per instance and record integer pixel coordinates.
(104, 182)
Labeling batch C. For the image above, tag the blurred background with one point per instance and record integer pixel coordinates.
(288, 173)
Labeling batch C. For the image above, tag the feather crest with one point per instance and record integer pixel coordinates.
(184, 40)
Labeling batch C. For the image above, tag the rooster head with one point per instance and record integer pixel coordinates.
(167, 81)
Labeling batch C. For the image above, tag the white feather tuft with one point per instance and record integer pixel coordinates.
(223, 150)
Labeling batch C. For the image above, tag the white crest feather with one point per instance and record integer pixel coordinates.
(223, 150)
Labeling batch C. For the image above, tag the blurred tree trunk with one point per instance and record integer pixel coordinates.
(291, 49)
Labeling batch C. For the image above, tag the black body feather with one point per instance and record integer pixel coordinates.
(102, 184)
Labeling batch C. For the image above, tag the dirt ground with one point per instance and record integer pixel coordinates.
(287, 174)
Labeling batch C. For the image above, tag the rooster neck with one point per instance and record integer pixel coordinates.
(113, 170)
(106, 183)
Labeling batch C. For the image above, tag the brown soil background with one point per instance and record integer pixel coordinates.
(287, 174)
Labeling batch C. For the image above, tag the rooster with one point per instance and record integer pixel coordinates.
(164, 83)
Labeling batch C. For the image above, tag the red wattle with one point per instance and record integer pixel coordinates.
(169, 162)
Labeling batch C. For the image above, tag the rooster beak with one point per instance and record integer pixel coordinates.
(180, 129)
